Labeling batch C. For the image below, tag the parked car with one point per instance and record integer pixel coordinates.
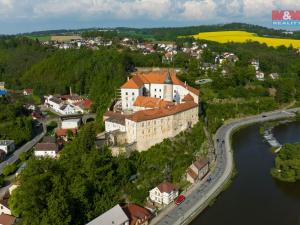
(179, 199)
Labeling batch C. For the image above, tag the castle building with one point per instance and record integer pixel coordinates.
(155, 105)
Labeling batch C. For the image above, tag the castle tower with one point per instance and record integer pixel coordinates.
(168, 88)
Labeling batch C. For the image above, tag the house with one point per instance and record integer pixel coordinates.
(197, 170)
(83, 106)
(46, 150)
(260, 76)
(164, 193)
(114, 216)
(137, 215)
(54, 103)
(71, 124)
(7, 146)
(63, 133)
(255, 64)
(7, 219)
(4, 209)
(27, 91)
(67, 109)
(114, 121)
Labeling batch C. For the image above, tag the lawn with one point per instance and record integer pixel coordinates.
(243, 36)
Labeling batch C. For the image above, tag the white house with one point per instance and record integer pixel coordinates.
(164, 193)
(114, 216)
(7, 146)
(71, 124)
(67, 109)
(255, 64)
(46, 150)
(260, 76)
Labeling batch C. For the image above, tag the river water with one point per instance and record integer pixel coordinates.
(254, 197)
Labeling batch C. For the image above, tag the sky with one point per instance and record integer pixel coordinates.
(19, 16)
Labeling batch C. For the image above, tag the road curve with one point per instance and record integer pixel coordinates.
(202, 193)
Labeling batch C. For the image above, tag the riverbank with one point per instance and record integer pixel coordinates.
(198, 200)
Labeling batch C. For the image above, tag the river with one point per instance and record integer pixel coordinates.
(254, 197)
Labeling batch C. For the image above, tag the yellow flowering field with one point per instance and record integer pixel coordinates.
(243, 36)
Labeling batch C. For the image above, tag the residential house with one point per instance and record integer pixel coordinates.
(27, 91)
(71, 124)
(4, 209)
(7, 219)
(63, 133)
(114, 216)
(255, 64)
(197, 170)
(46, 150)
(164, 193)
(137, 215)
(7, 146)
(53, 102)
(67, 109)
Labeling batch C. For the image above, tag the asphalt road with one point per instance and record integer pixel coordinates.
(201, 193)
(24, 148)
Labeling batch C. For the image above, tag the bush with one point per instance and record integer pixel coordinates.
(9, 169)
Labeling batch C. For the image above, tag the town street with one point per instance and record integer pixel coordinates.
(203, 192)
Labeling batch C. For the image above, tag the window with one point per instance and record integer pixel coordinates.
(159, 96)
(159, 90)
(155, 89)
(154, 96)
(132, 93)
(126, 93)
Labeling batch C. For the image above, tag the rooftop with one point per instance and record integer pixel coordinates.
(156, 77)
(151, 114)
(7, 219)
(200, 163)
(166, 187)
(46, 147)
(135, 212)
(114, 216)
(6, 142)
(116, 118)
(63, 132)
(150, 102)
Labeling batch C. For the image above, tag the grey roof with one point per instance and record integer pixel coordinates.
(114, 216)
(6, 142)
(55, 100)
(168, 79)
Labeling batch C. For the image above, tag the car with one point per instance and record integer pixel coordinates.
(179, 199)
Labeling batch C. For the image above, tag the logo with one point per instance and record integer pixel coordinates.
(286, 17)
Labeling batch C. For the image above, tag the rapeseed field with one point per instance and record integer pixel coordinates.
(243, 36)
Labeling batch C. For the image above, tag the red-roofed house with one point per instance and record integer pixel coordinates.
(7, 219)
(197, 170)
(27, 91)
(137, 215)
(164, 193)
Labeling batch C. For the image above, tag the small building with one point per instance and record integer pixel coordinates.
(164, 193)
(114, 121)
(260, 76)
(114, 216)
(67, 109)
(4, 209)
(137, 215)
(27, 91)
(63, 133)
(197, 170)
(71, 124)
(46, 150)
(53, 102)
(7, 219)
(7, 146)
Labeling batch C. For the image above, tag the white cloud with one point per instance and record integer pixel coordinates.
(258, 8)
(198, 10)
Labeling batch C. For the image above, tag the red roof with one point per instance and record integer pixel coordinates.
(187, 98)
(200, 163)
(149, 102)
(7, 219)
(150, 114)
(155, 77)
(28, 90)
(192, 174)
(84, 104)
(136, 212)
(63, 132)
(166, 187)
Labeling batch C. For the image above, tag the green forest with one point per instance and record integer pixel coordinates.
(85, 182)
(287, 163)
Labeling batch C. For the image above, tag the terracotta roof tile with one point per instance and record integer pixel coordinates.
(155, 77)
(63, 132)
(149, 102)
(46, 146)
(7, 219)
(150, 114)
(135, 212)
(188, 98)
(200, 163)
(166, 187)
